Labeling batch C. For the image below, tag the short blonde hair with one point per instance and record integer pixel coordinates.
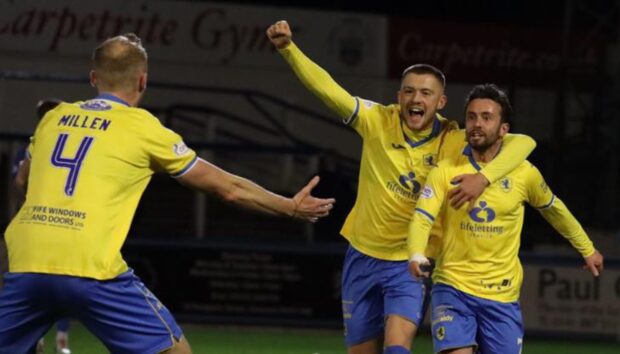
(118, 62)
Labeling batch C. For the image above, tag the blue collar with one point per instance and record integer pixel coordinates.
(110, 97)
(434, 132)
(467, 152)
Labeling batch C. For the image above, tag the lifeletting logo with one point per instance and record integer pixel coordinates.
(475, 213)
(406, 187)
(482, 215)
(408, 181)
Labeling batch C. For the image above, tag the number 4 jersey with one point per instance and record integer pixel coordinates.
(89, 165)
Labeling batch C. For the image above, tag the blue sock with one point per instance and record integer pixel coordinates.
(396, 349)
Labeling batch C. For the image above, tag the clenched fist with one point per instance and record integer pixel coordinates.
(280, 34)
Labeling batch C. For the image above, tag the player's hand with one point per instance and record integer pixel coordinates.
(415, 266)
(280, 34)
(469, 188)
(594, 263)
(309, 208)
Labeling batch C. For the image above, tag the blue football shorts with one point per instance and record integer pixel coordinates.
(461, 320)
(373, 289)
(121, 312)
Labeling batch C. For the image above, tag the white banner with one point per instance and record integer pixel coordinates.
(192, 32)
(568, 300)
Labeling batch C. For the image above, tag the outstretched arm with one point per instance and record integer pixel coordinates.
(515, 149)
(207, 177)
(317, 80)
(557, 214)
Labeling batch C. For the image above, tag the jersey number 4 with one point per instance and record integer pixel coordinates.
(74, 164)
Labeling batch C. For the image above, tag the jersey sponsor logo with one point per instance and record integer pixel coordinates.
(96, 105)
(482, 213)
(408, 181)
(506, 184)
(407, 187)
(427, 192)
(180, 148)
(430, 160)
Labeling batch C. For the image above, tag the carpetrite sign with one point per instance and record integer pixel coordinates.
(193, 32)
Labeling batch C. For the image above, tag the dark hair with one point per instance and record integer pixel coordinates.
(494, 93)
(421, 69)
(46, 105)
(119, 61)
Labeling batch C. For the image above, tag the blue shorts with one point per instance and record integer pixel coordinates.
(373, 289)
(121, 312)
(462, 320)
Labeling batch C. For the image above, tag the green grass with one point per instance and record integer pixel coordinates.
(243, 340)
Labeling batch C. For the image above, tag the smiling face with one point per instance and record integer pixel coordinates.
(420, 97)
(483, 123)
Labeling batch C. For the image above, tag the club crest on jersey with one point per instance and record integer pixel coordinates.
(482, 213)
(96, 105)
(180, 148)
(440, 333)
(506, 184)
(430, 160)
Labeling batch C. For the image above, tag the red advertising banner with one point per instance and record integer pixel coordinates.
(501, 54)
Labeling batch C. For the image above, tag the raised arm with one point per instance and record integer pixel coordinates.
(557, 214)
(317, 80)
(209, 178)
(515, 149)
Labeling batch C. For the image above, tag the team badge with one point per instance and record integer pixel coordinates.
(440, 333)
(506, 184)
(430, 160)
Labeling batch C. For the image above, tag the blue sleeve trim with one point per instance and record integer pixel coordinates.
(187, 168)
(353, 116)
(425, 213)
(548, 205)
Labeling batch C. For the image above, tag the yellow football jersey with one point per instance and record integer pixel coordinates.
(479, 254)
(394, 163)
(90, 163)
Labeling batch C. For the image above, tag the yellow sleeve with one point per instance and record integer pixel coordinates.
(426, 211)
(556, 213)
(515, 149)
(320, 83)
(166, 149)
